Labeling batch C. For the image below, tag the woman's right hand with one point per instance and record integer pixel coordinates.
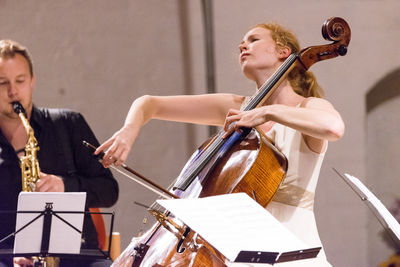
(118, 147)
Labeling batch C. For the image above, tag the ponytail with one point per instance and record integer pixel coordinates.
(304, 83)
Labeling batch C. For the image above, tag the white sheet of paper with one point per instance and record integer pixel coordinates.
(234, 222)
(63, 238)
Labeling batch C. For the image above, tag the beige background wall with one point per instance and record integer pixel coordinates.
(97, 56)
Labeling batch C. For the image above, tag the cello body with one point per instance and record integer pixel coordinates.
(252, 165)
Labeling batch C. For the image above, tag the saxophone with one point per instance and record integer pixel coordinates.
(30, 171)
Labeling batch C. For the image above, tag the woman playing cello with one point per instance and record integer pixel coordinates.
(295, 117)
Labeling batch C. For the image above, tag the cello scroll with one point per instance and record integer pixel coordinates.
(334, 29)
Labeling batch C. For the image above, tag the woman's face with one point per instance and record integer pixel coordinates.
(258, 53)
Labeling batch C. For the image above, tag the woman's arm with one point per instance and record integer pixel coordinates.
(209, 109)
(316, 119)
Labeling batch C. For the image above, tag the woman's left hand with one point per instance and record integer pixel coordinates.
(236, 119)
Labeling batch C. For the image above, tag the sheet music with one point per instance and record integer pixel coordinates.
(234, 222)
(383, 215)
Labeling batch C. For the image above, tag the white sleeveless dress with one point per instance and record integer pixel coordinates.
(294, 201)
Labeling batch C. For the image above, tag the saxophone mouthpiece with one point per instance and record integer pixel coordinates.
(18, 108)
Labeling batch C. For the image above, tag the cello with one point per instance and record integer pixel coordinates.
(246, 161)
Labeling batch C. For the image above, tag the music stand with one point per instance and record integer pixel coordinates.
(385, 218)
(50, 224)
(50, 230)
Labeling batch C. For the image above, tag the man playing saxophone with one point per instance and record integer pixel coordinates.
(61, 170)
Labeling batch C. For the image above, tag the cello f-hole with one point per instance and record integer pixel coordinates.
(179, 247)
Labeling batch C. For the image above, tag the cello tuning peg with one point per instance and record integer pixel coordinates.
(342, 50)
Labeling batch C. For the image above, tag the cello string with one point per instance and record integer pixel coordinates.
(200, 162)
(204, 154)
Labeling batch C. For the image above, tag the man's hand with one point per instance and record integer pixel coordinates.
(22, 262)
(49, 183)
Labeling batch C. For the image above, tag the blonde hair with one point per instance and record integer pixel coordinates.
(303, 81)
(8, 49)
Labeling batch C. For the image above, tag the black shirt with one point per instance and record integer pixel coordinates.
(89, 177)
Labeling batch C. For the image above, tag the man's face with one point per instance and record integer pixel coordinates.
(16, 84)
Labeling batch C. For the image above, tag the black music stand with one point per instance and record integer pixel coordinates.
(36, 238)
